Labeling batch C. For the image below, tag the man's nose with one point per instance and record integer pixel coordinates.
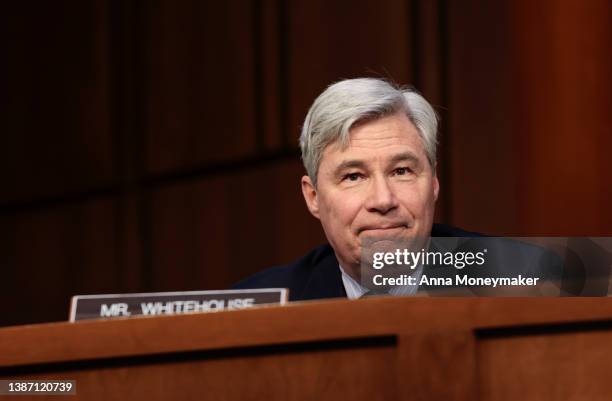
(381, 198)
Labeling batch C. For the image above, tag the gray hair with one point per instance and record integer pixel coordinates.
(348, 102)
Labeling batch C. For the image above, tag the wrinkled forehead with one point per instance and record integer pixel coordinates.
(379, 137)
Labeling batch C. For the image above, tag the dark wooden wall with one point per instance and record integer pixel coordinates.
(529, 125)
(152, 145)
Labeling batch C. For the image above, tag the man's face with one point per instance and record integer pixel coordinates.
(380, 186)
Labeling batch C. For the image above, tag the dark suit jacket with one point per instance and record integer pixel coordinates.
(317, 274)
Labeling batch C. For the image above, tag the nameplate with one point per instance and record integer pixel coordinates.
(85, 307)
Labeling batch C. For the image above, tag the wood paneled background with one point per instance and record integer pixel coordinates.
(152, 145)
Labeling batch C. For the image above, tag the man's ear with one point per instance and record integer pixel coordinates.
(436, 187)
(310, 196)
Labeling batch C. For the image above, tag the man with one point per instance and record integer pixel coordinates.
(369, 149)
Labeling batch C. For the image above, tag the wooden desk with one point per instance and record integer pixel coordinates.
(371, 349)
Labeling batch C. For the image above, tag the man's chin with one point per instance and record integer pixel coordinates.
(386, 233)
(373, 245)
(391, 238)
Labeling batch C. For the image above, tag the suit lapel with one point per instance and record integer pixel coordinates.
(325, 281)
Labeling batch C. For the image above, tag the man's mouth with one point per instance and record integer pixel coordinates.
(383, 229)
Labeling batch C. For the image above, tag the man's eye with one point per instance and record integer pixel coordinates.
(402, 171)
(352, 177)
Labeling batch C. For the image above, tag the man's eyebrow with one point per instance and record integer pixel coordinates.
(348, 164)
(405, 156)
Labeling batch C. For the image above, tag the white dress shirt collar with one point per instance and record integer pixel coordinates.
(354, 290)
